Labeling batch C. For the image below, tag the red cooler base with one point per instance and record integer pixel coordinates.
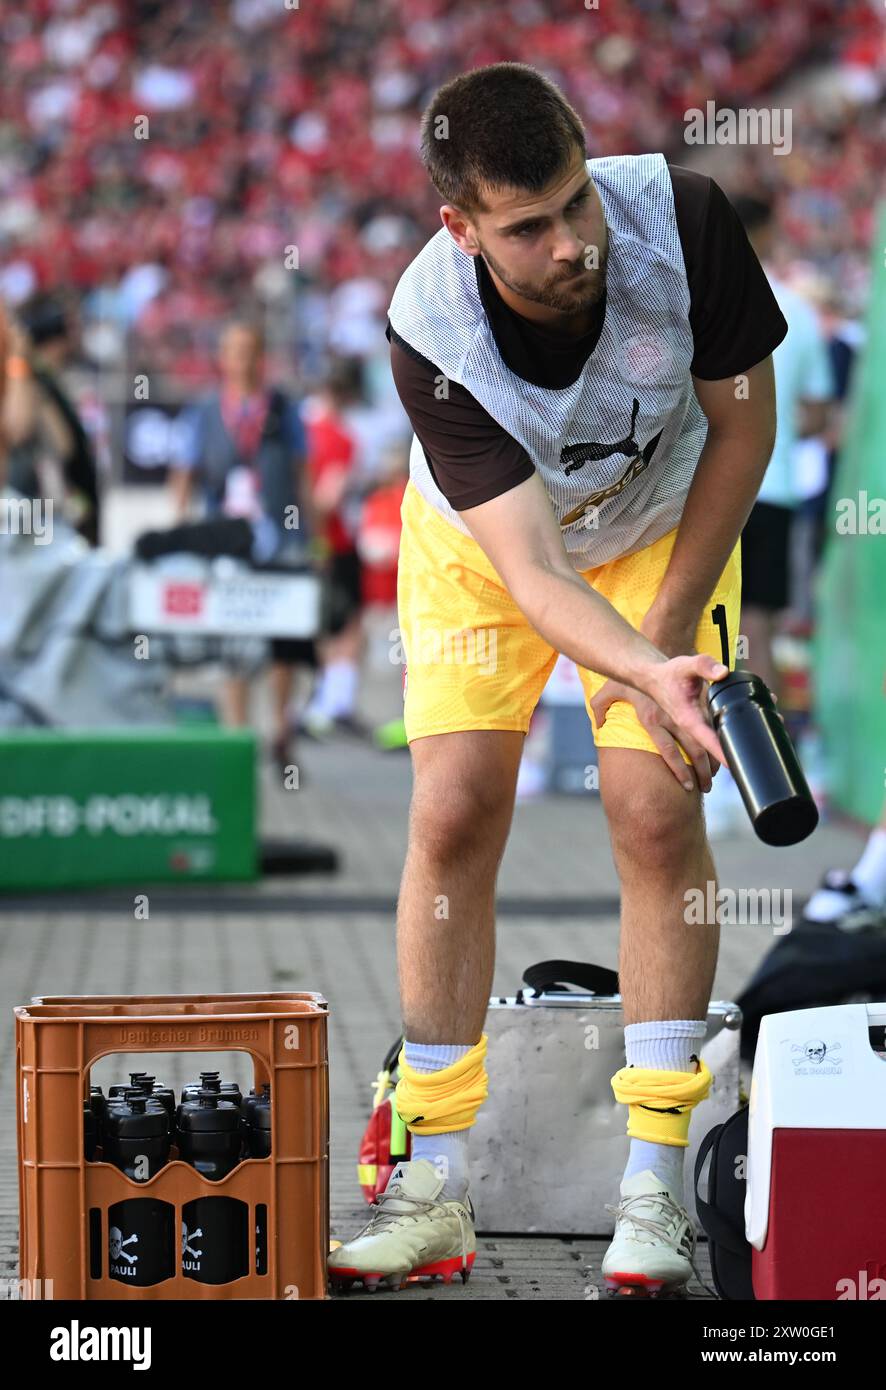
(826, 1237)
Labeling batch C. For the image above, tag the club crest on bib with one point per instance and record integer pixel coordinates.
(645, 357)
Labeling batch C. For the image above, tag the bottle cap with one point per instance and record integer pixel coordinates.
(743, 683)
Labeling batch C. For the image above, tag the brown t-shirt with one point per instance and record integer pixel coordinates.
(733, 314)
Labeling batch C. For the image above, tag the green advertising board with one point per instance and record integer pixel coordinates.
(850, 639)
(126, 806)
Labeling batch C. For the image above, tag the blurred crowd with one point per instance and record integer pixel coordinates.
(222, 198)
(160, 164)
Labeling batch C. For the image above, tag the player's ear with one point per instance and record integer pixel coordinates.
(460, 229)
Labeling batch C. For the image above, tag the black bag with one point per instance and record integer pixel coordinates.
(815, 964)
(722, 1215)
(555, 976)
(217, 535)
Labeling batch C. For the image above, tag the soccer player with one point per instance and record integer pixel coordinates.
(584, 352)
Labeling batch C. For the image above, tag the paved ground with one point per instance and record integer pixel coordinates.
(557, 898)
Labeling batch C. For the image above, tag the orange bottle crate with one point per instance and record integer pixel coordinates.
(58, 1039)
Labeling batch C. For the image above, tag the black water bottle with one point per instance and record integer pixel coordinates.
(257, 1122)
(164, 1094)
(210, 1080)
(119, 1096)
(120, 1088)
(137, 1135)
(230, 1091)
(90, 1132)
(141, 1230)
(97, 1103)
(257, 1136)
(762, 759)
(141, 1081)
(215, 1234)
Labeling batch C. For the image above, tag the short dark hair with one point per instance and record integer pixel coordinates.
(45, 319)
(506, 126)
(246, 321)
(344, 379)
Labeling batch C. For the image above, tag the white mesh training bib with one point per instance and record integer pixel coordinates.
(617, 449)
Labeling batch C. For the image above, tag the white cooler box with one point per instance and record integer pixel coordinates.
(815, 1204)
(549, 1144)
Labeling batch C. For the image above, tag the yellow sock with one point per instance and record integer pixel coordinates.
(439, 1101)
(660, 1103)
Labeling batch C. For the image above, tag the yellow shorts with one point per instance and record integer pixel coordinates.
(472, 659)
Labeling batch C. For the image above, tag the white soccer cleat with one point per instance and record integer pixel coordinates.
(652, 1250)
(839, 902)
(411, 1235)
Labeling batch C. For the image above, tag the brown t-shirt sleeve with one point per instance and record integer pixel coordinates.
(734, 315)
(471, 457)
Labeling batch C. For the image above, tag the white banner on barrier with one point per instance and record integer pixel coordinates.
(236, 602)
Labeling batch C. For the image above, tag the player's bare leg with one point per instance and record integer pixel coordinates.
(666, 967)
(462, 806)
(666, 971)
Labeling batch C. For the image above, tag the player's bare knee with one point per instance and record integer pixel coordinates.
(651, 833)
(461, 819)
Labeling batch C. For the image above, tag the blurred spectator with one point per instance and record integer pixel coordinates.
(245, 450)
(332, 471)
(5, 349)
(378, 544)
(49, 452)
(804, 387)
(161, 157)
(844, 338)
(855, 900)
(378, 533)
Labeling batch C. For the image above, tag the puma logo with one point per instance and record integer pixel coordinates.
(580, 454)
(577, 455)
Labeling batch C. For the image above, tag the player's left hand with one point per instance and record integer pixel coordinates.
(675, 635)
(667, 731)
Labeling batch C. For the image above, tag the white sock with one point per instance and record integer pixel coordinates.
(666, 1045)
(869, 873)
(316, 706)
(448, 1151)
(341, 688)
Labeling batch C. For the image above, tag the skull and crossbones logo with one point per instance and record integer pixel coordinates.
(187, 1237)
(815, 1050)
(117, 1243)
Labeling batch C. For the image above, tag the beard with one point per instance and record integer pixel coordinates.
(571, 292)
